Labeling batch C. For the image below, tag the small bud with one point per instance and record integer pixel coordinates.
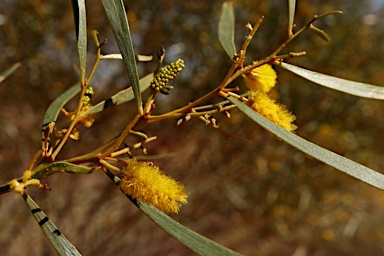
(320, 33)
(88, 95)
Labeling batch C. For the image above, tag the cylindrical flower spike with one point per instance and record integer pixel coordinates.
(165, 75)
(146, 183)
(267, 107)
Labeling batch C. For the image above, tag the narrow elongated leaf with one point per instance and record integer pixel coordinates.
(340, 163)
(189, 238)
(43, 170)
(291, 15)
(120, 97)
(79, 14)
(339, 84)
(116, 56)
(9, 71)
(227, 29)
(53, 110)
(55, 237)
(118, 19)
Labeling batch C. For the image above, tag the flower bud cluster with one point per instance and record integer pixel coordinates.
(87, 96)
(165, 75)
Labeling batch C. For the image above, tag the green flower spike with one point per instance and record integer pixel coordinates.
(165, 75)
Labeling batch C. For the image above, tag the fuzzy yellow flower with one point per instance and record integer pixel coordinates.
(146, 183)
(262, 78)
(267, 107)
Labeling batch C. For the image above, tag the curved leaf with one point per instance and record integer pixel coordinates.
(120, 97)
(53, 110)
(347, 86)
(320, 33)
(227, 29)
(189, 238)
(79, 14)
(55, 237)
(43, 170)
(291, 15)
(341, 163)
(118, 19)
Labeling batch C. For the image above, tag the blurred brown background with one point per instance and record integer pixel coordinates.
(264, 198)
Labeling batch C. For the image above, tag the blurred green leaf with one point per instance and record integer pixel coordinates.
(118, 19)
(9, 71)
(79, 14)
(340, 163)
(120, 97)
(189, 238)
(291, 15)
(347, 86)
(55, 237)
(227, 29)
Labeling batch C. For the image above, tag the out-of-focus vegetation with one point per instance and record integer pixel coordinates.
(263, 198)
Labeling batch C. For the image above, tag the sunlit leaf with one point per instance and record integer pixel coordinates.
(9, 71)
(340, 163)
(118, 19)
(143, 58)
(120, 97)
(227, 29)
(79, 14)
(189, 238)
(55, 237)
(343, 85)
(291, 15)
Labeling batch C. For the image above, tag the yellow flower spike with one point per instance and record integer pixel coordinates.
(267, 107)
(146, 183)
(262, 78)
